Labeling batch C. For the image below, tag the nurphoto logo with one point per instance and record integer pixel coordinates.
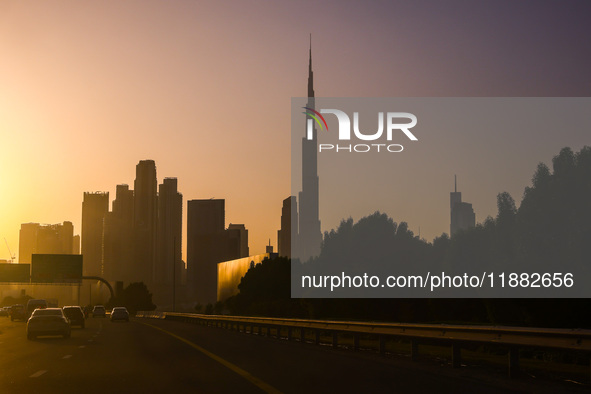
(395, 122)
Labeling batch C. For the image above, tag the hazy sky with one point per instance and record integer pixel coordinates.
(87, 89)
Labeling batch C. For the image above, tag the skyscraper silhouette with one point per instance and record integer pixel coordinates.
(210, 243)
(35, 238)
(238, 240)
(205, 246)
(168, 266)
(145, 207)
(94, 209)
(118, 237)
(289, 226)
(462, 214)
(27, 243)
(310, 236)
(76, 244)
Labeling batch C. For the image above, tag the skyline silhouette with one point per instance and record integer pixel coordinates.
(89, 91)
(163, 141)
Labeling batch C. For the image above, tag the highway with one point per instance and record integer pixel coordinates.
(158, 356)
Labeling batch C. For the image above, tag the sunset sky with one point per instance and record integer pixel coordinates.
(87, 89)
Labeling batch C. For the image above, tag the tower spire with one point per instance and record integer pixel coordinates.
(455, 183)
(310, 62)
(310, 73)
(309, 234)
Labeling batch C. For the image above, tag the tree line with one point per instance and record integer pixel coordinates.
(551, 227)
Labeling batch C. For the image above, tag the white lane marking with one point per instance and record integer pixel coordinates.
(38, 373)
(67, 356)
(81, 347)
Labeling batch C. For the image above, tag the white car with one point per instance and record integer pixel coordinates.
(119, 313)
(50, 321)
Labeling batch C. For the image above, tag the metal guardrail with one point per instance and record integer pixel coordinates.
(512, 338)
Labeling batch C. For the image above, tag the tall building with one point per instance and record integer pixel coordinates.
(94, 209)
(169, 264)
(310, 235)
(205, 235)
(238, 239)
(123, 204)
(65, 232)
(76, 244)
(48, 240)
(208, 243)
(289, 226)
(145, 208)
(35, 238)
(27, 245)
(140, 239)
(118, 237)
(462, 214)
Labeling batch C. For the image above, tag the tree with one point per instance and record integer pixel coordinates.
(265, 290)
(135, 297)
(551, 227)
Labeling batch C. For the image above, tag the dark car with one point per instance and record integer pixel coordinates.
(18, 312)
(120, 313)
(99, 311)
(48, 321)
(75, 315)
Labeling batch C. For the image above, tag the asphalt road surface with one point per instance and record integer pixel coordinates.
(157, 356)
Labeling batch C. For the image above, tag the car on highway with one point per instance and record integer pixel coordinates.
(75, 315)
(99, 311)
(18, 312)
(4, 311)
(120, 313)
(48, 321)
(34, 304)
